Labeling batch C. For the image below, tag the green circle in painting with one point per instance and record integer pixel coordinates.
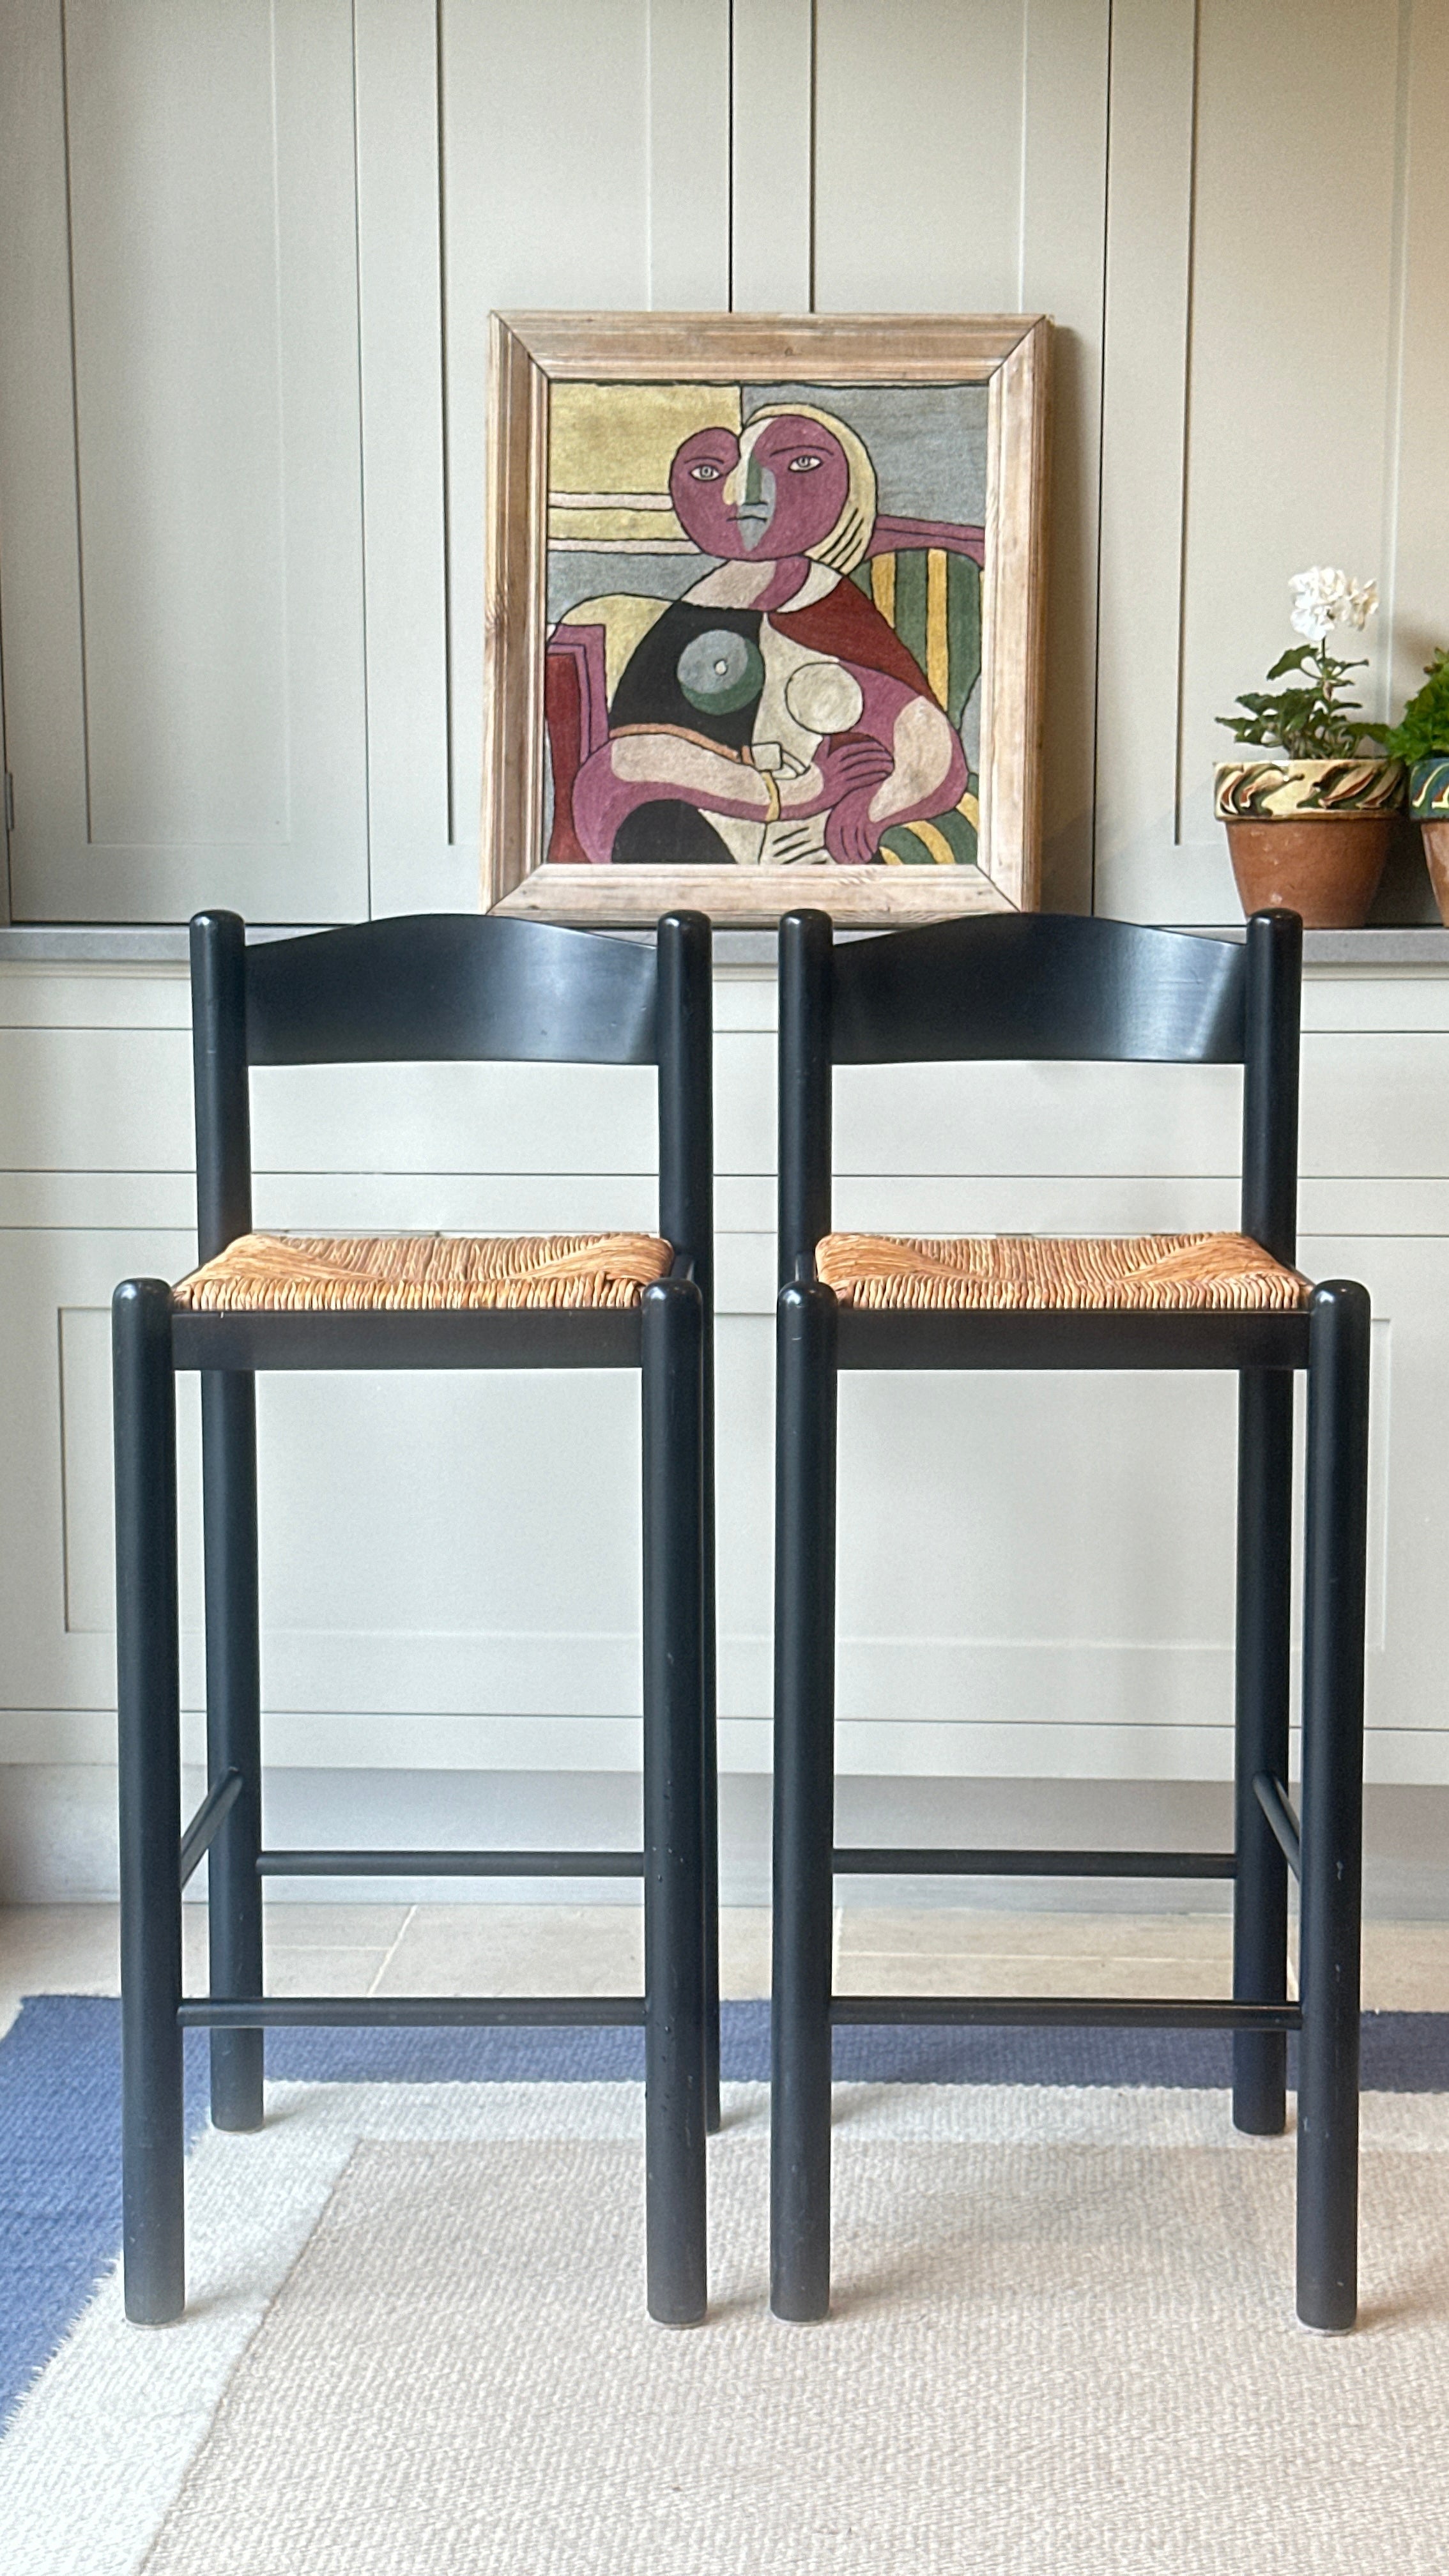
(720, 672)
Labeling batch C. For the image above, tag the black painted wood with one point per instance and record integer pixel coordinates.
(1038, 985)
(931, 1338)
(885, 1860)
(1273, 954)
(451, 986)
(436, 988)
(413, 2012)
(346, 1863)
(1057, 989)
(1277, 1806)
(1061, 2012)
(483, 1338)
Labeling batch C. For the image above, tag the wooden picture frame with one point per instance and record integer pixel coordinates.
(603, 427)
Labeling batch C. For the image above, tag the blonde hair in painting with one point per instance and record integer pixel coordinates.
(845, 544)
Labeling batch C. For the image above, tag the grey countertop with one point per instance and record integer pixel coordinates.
(91, 944)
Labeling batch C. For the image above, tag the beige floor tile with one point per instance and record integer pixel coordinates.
(930, 1931)
(518, 1950)
(324, 1972)
(977, 1972)
(323, 1961)
(1406, 1967)
(333, 1927)
(72, 1949)
(744, 1952)
(60, 1949)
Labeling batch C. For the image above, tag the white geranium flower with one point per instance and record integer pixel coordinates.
(1323, 595)
(1317, 595)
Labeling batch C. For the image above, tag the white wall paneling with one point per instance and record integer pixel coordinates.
(559, 191)
(1035, 1574)
(180, 465)
(960, 166)
(1272, 279)
(250, 253)
(772, 156)
(247, 252)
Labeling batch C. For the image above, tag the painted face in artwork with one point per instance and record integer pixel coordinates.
(775, 491)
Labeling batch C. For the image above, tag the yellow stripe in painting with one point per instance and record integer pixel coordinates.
(883, 586)
(936, 842)
(892, 858)
(938, 656)
(970, 806)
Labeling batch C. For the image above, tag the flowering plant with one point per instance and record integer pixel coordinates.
(1317, 720)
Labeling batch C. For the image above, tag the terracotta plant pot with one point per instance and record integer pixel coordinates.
(1325, 867)
(1436, 851)
(1309, 836)
(1429, 806)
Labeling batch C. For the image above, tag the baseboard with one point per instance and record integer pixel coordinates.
(58, 1835)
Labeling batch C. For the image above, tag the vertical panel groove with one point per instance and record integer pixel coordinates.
(65, 1566)
(730, 169)
(80, 556)
(814, 134)
(1101, 443)
(1394, 387)
(278, 273)
(450, 782)
(367, 793)
(1189, 312)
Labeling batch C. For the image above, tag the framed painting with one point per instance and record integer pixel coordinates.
(764, 615)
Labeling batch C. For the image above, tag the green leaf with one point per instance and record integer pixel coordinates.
(1423, 731)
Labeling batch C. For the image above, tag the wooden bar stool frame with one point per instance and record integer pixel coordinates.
(427, 987)
(1043, 987)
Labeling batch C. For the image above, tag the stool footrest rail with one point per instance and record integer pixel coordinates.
(1067, 2012)
(450, 1864)
(401, 2012)
(215, 1807)
(872, 1862)
(1273, 1798)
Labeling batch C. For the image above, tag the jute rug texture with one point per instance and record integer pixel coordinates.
(1056, 2357)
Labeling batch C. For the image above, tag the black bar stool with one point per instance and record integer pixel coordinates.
(1024, 987)
(436, 987)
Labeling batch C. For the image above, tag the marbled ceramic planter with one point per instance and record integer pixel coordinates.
(1429, 805)
(1262, 790)
(1309, 836)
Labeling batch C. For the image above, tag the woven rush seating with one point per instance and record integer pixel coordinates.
(345, 1274)
(1004, 1273)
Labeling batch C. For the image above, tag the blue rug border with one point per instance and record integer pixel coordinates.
(60, 2215)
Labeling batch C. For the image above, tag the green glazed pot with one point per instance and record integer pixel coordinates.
(1429, 789)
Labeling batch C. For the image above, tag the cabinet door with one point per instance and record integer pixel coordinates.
(180, 470)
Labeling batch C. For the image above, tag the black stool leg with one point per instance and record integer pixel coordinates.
(149, 1718)
(233, 1731)
(1332, 1820)
(1260, 1895)
(805, 1437)
(711, 1768)
(674, 1804)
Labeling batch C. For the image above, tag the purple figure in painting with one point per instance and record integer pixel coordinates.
(771, 716)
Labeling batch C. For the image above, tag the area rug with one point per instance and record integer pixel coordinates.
(1063, 2342)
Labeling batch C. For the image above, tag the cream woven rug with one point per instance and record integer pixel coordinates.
(1064, 2344)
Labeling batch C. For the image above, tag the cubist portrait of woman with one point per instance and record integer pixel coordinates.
(782, 673)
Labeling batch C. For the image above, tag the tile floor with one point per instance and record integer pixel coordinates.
(595, 1949)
